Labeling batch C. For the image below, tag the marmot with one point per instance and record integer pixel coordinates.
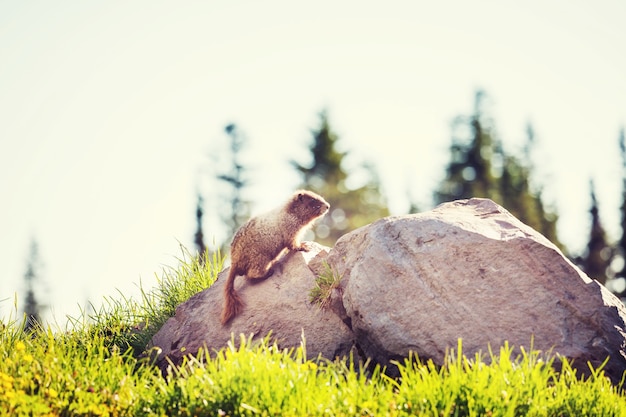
(258, 244)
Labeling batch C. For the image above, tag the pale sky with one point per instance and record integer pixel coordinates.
(111, 110)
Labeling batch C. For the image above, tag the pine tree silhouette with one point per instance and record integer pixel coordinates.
(32, 306)
(349, 208)
(199, 236)
(597, 258)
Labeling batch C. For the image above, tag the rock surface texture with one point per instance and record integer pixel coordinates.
(467, 269)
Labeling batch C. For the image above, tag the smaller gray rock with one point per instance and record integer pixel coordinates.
(279, 304)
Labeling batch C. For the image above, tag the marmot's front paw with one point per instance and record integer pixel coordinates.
(305, 247)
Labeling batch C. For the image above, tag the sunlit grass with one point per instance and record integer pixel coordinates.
(527, 385)
(93, 369)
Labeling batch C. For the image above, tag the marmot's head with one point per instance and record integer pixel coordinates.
(307, 206)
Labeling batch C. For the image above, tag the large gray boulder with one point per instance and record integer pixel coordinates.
(470, 270)
(466, 270)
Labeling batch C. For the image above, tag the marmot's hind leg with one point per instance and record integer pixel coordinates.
(260, 273)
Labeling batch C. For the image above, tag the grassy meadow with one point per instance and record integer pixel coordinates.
(94, 368)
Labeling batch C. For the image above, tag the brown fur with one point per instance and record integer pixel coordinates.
(258, 244)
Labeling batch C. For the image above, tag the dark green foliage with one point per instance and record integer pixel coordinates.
(470, 172)
(480, 167)
(32, 305)
(326, 166)
(350, 208)
(199, 236)
(236, 179)
(597, 258)
(621, 245)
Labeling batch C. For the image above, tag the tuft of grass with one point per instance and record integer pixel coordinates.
(321, 293)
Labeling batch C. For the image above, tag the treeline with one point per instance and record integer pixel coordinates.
(479, 166)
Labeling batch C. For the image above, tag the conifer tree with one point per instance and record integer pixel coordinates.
(480, 167)
(350, 208)
(597, 257)
(470, 172)
(520, 197)
(32, 306)
(199, 236)
(236, 179)
(621, 244)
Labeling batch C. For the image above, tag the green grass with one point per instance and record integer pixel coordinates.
(93, 369)
(321, 293)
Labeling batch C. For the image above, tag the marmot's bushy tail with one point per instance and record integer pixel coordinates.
(232, 303)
